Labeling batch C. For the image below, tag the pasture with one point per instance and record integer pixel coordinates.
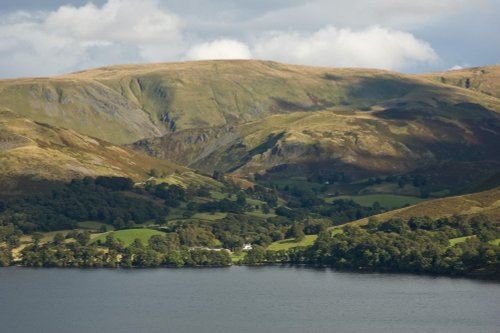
(289, 243)
(128, 236)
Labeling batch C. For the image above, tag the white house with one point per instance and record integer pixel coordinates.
(247, 247)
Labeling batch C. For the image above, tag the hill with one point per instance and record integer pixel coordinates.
(32, 152)
(85, 106)
(293, 151)
(483, 203)
(324, 144)
(122, 104)
(485, 80)
(264, 119)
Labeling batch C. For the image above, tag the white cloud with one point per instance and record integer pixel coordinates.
(375, 47)
(125, 21)
(77, 37)
(219, 49)
(132, 31)
(459, 67)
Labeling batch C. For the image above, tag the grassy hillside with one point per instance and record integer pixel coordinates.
(358, 143)
(486, 203)
(287, 244)
(128, 236)
(248, 117)
(122, 104)
(485, 80)
(31, 151)
(85, 106)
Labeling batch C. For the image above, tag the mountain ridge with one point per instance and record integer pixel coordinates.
(249, 117)
(150, 100)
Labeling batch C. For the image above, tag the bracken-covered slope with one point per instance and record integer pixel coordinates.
(32, 152)
(485, 203)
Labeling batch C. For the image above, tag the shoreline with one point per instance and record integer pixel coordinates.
(470, 276)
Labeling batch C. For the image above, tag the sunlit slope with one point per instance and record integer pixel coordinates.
(485, 80)
(485, 203)
(85, 106)
(248, 116)
(215, 93)
(122, 104)
(38, 152)
(360, 143)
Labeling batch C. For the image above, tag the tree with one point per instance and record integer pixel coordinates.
(119, 223)
(218, 175)
(5, 257)
(154, 173)
(174, 258)
(256, 255)
(37, 237)
(296, 231)
(58, 238)
(83, 237)
(241, 199)
(113, 243)
(115, 183)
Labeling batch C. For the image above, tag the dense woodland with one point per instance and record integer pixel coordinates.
(115, 201)
(420, 245)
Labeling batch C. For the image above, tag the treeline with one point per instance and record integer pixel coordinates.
(419, 245)
(101, 199)
(75, 251)
(339, 211)
(115, 201)
(234, 230)
(10, 237)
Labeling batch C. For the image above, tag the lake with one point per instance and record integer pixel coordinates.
(242, 299)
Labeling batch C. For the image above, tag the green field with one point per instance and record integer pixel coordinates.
(390, 201)
(455, 241)
(260, 214)
(129, 235)
(209, 216)
(495, 242)
(286, 244)
(237, 257)
(336, 231)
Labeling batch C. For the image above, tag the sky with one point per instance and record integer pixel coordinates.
(51, 37)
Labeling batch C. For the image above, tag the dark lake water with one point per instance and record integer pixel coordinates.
(242, 299)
